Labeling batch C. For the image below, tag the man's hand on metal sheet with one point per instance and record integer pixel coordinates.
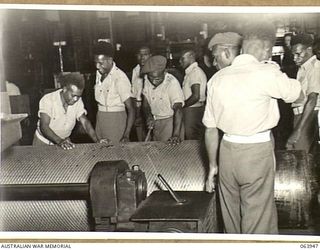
(125, 139)
(66, 144)
(106, 141)
(174, 140)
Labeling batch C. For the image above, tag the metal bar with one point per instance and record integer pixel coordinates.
(173, 194)
(65, 191)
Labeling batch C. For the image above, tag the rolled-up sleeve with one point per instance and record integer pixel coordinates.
(208, 118)
(45, 106)
(279, 85)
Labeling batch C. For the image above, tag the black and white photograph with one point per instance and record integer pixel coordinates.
(139, 120)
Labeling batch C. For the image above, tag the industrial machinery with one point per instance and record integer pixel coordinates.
(113, 191)
(178, 212)
(78, 205)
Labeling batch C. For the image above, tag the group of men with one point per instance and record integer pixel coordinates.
(240, 100)
(153, 103)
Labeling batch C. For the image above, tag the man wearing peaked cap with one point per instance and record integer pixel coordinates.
(163, 101)
(154, 63)
(225, 47)
(116, 112)
(242, 102)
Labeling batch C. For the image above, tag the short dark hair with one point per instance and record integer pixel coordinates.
(303, 38)
(261, 30)
(191, 52)
(144, 47)
(103, 48)
(74, 78)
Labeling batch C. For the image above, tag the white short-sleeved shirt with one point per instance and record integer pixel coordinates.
(242, 98)
(61, 122)
(162, 98)
(309, 77)
(137, 83)
(113, 91)
(194, 75)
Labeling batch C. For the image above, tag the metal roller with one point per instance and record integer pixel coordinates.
(183, 166)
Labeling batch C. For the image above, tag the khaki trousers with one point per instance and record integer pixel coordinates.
(111, 125)
(309, 133)
(192, 120)
(246, 188)
(163, 129)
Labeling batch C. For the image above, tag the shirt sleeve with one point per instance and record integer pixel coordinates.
(314, 80)
(45, 105)
(279, 85)
(80, 109)
(124, 87)
(195, 78)
(208, 118)
(175, 93)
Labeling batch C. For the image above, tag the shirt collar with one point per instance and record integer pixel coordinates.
(191, 67)
(308, 64)
(137, 67)
(244, 59)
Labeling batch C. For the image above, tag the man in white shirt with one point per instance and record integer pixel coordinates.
(59, 111)
(194, 90)
(242, 102)
(162, 101)
(305, 131)
(137, 86)
(116, 111)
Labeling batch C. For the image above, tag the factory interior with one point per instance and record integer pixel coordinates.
(138, 185)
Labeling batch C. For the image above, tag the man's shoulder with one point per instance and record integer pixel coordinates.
(120, 74)
(198, 71)
(315, 64)
(136, 68)
(51, 95)
(171, 79)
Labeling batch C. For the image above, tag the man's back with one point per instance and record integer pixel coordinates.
(245, 93)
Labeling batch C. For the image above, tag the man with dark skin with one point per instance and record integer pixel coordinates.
(59, 111)
(194, 90)
(241, 102)
(116, 111)
(137, 86)
(162, 101)
(305, 109)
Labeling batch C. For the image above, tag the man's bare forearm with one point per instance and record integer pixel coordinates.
(212, 143)
(177, 121)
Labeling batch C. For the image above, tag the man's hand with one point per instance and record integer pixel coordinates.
(295, 136)
(66, 144)
(106, 141)
(125, 139)
(210, 184)
(150, 123)
(174, 140)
